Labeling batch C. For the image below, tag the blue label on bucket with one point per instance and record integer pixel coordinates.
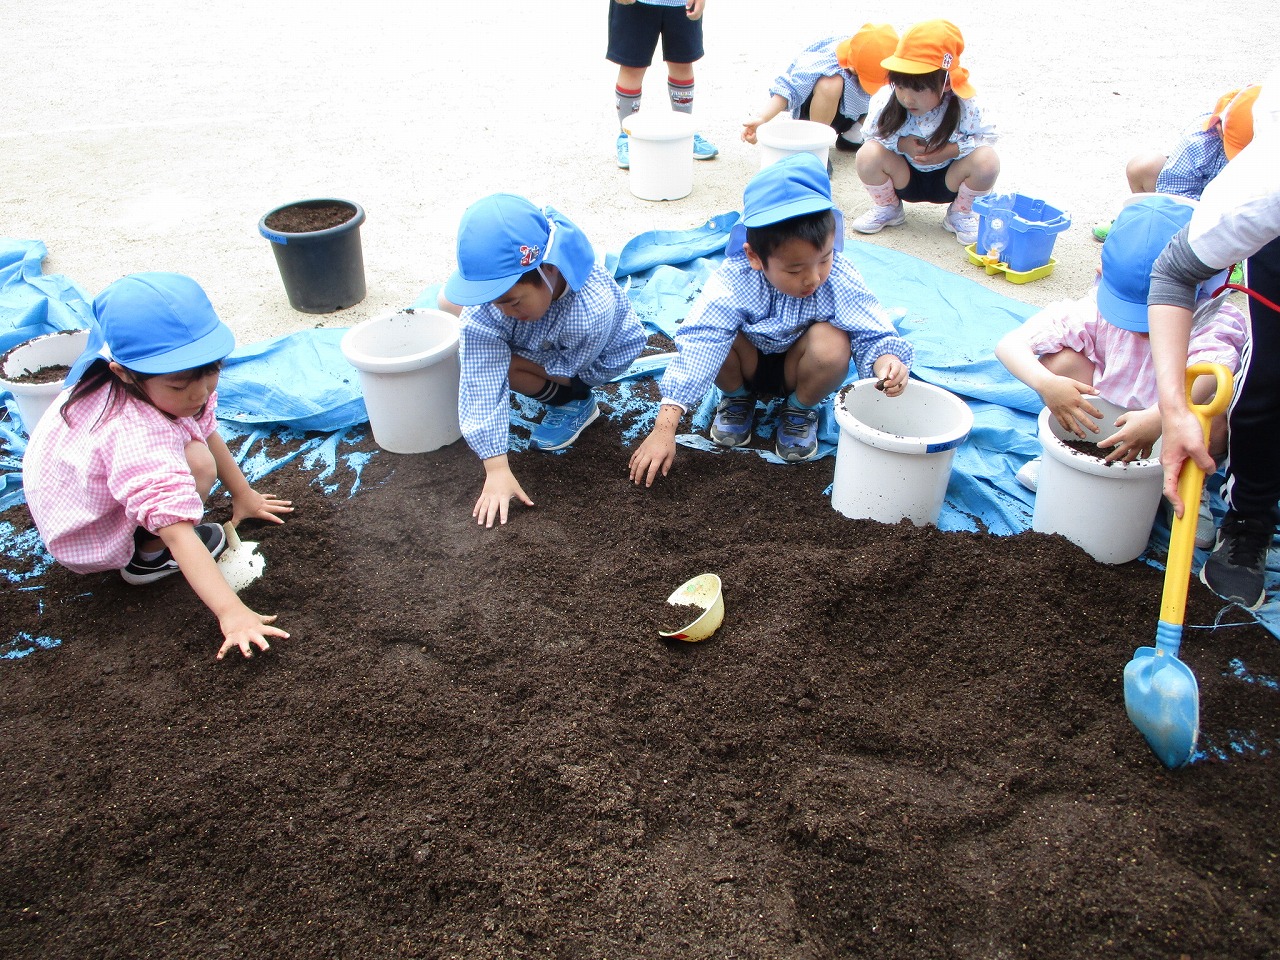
(945, 445)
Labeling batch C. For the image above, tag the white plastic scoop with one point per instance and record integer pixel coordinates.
(240, 563)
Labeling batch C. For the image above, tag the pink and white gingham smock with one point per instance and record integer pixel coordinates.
(1124, 371)
(91, 484)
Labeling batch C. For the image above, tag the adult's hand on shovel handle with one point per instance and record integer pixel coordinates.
(1185, 432)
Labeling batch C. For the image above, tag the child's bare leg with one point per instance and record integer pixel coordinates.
(529, 378)
(818, 363)
(978, 171)
(826, 99)
(739, 366)
(205, 472)
(877, 165)
(1070, 363)
(1141, 171)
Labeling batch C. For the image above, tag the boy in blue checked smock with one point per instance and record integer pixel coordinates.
(782, 316)
(831, 81)
(539, 317)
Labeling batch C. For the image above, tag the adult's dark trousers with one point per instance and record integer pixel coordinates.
(1253, 473)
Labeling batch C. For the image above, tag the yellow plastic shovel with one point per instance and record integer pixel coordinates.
(1160, 691)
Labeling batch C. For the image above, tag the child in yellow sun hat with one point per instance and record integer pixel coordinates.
(928, 140)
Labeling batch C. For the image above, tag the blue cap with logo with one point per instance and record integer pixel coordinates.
(1138, 236)
(504, 236)
(154, 323)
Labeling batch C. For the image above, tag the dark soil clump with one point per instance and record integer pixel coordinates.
(900, 743)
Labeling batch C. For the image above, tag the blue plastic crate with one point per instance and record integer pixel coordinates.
(1023, 229)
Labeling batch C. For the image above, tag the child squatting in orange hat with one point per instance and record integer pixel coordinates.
(927, 139)
(831, 81)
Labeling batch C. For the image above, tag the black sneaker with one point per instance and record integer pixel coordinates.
(147, 571)
(734, 419)
(1237, 568)
(797, 434)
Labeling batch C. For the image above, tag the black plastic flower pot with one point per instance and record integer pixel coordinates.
(317, 248)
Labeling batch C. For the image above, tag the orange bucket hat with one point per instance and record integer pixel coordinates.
(1234, 111)
(932, 45)
(863, 52)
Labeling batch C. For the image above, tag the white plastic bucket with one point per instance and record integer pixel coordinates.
(409, 371)
(1105, 508)
(894, 457)
(661, 151)
(50, 350)
(784, 137)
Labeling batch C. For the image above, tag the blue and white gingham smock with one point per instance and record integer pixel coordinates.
(814, 62)
(591, 333)
(1195, 159)
(974, 129)
(737, 298)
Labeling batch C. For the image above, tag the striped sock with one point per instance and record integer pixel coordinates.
(681, 94)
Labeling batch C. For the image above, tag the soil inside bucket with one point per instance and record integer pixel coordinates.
(310, 217)
(54, 373)
(901, 742)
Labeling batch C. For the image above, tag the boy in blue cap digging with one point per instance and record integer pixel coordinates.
(540, 317)
(782, 316)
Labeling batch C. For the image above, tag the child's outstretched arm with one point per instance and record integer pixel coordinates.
(774, 107)
(241, 627)
(1067, 399)
(246, 503)
(658, 451)
(500, 485)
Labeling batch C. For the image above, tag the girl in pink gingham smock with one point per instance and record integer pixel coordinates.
(116, 474)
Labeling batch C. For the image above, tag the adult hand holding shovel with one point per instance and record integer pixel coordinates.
(1160, 691)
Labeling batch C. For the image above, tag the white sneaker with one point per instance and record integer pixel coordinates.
(1206, 526)
(963, 225)
(878, 217)
(1029, 475)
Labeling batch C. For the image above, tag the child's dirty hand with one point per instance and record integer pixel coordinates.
(245, 629)
(258, 506)
(652, 457)
(1067, 400)
(500, 485)
(892, 373)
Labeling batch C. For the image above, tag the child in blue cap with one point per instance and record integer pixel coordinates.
(539, 316)
(1099, 346)
(782, 316)
(117, 473)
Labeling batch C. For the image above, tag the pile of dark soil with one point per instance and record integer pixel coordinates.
(901, 743)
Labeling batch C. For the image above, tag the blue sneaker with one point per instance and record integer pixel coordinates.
(624, 152)
(733, 421)
(797, 434)
(703, 149)
(561, 425)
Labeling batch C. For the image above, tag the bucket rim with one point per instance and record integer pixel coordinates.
(660, 126)
(285, 236)
(1085, 463)
(370, 363)
(823, 135)
(935, 443)
(14, 352)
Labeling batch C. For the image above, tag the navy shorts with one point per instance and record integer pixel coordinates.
(770, 378)
(839, 123)
(634, 29)
(928, 187)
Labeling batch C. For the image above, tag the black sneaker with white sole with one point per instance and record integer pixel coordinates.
(147, 571)
(1237, 568)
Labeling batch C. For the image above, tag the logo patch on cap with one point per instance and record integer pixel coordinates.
(529, 254)
(946, 61)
